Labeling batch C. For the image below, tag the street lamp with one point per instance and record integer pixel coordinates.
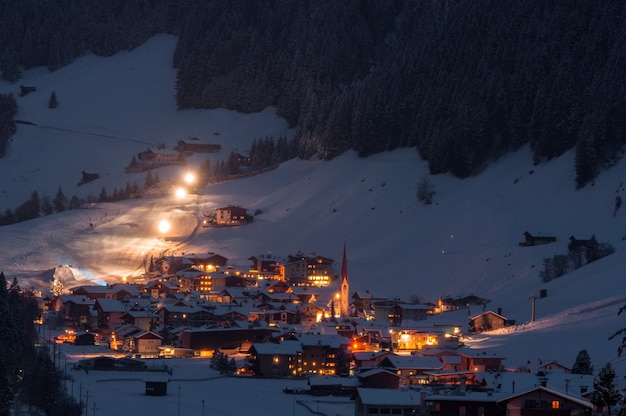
(190, 178)
(164, 227)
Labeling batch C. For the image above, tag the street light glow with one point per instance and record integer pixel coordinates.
(164, 226)
(190, 178)
(181, 193)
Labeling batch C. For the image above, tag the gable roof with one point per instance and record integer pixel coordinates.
(578, 400)
(389, 397)
(412, 362)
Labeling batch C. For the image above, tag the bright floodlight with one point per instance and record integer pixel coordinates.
(164, 226)
(190, 178)
(181, 193)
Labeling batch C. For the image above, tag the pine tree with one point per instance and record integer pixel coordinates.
(605, 391)
(582, 365)
(59, 202)
(53, 103)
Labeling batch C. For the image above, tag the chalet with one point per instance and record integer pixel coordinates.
(553, 366)
(147, 342)
(534, 240)
(141, 318)
(413, 340)
(463, 302)
(384, 310)
(459, 402)
(387, 401)
(195, 146)
(481, 362)
(545, 400)
(332, 385)
(576, 244)
(232, 215)
(162, 287)
(489, 321)
(309, 314)
(267, 267)
(111, 312)
(380, 378)
(370, 359)
(209, 262)
(151, 158)
(412, 367)
(269, 359)
(206, 340)
(361, 301)
(77, 310)
(115, 291)
(319, 352)
(309, 270)
(174, 315)
(412, 312)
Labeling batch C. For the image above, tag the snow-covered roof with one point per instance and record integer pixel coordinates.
(389, 397)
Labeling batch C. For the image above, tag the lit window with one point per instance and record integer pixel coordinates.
(556, 404)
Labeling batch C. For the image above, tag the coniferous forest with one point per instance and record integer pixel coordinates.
(28, 376)
(462, 81)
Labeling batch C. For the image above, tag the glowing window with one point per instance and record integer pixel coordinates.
(556, 404)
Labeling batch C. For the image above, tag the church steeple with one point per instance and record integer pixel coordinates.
(344, 300)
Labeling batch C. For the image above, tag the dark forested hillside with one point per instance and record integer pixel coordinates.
(462, 81)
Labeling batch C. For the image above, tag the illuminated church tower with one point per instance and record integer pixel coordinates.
(344, 299)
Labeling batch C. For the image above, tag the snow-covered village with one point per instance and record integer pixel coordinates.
(180, 263)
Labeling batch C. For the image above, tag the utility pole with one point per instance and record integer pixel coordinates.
(532, 308)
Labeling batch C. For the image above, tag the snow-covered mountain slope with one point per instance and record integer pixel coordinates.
(466, 242)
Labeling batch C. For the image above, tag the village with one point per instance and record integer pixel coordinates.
(295, 318)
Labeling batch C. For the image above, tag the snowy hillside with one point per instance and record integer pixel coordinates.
(466, 242)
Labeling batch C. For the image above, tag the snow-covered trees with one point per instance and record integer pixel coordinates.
(606, 393)
(582, 365)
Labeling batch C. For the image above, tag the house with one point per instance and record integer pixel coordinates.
(320, 352)
(269, 359)
(147, 343)
(489, 321)
(111, 312)
(195, 146)
(77, 310)
(534, 240)
(309, 270)
(552, 367)
(379, 378)
(85, 338)
(413, 340)
(369, 401)
(182, 315)
(107, 292)
(332, 385)
(545, 400)
(267, 267)
(370, 359)
(232, 215)
(460, 402)
(410, 312)
(412, 367)
(151, 158)
(481, 362)
(206, 340)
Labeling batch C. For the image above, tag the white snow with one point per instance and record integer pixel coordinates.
(465, 243)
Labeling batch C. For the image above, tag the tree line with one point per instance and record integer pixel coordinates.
(462, 82)
(28, 376)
